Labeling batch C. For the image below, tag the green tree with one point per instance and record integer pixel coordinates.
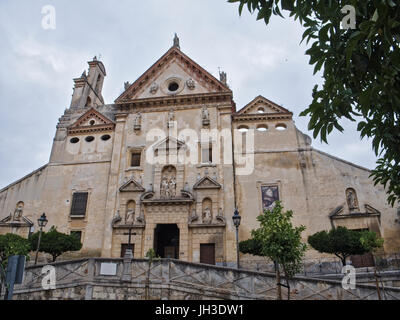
(278, 240)
(344, 243)
(55, 243)
(361, 72)
(13, 245)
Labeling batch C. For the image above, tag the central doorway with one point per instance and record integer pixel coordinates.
(166, 241)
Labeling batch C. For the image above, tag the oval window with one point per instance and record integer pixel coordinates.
(89, 139)
(243, 129)
(281, 127)
(106, 137)
(74, 140)
(262, 128)
(92, 122)
(261, 110)
(173, 86)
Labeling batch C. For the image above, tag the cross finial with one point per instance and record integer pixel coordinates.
(176, 42)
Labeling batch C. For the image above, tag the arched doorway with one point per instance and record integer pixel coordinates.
(166, 241)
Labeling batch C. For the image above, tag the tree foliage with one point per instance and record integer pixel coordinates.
(343, 242)
(13, 245)
(55, 243)
(278, 240)
(361, 72)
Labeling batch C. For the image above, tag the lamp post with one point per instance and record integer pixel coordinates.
(236, 221)
(42, 221)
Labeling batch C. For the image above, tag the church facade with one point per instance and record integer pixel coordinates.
(167, 163)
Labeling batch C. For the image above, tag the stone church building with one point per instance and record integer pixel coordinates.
(171, 159)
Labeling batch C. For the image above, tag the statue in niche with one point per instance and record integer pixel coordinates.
(138, 121)
(164, 190)
(352, 199)
(191, 84)
(18, 213)
(154, 88)
(130, 217)
(172, 187)
(207, 217)
(206, 114)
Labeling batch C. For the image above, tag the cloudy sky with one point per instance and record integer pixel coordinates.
(38, 65)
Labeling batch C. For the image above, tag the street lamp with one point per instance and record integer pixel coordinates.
(236, 221)
(42, 221)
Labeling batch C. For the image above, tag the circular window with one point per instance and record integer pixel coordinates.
(89, 139)
(106, 137)
(281, 127)
(261, 110)
(243, 129)
(262, 128)
(74, 140)
(173, 86)
(92, 122)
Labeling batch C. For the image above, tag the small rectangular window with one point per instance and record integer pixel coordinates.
(79, 203)
(135, 159)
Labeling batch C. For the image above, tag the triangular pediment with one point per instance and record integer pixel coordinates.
(207, 183)
(92, 120)
(23, 221)
(132, 186)
(169, 143)
(174, 66)
(261, 105)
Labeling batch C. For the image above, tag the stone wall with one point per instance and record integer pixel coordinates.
(177, 280)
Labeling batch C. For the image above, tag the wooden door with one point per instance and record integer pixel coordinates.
(207, 253)
(362, 261)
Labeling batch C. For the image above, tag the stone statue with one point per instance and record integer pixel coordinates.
(176, 41)
(17, 214)
(207, 217)
(191, 84)
(153, 88)
(164, 188)
(138, 121)
(127, 85)
(352, 200)
(223, 77)
(172, 187)
(206, 114)
(130, 217)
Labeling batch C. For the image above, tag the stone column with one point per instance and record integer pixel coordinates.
(113, 183)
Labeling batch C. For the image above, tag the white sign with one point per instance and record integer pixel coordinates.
(108, 269)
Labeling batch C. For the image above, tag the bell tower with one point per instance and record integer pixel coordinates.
(87, 89)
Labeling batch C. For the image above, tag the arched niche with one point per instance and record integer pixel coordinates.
(207, 211)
